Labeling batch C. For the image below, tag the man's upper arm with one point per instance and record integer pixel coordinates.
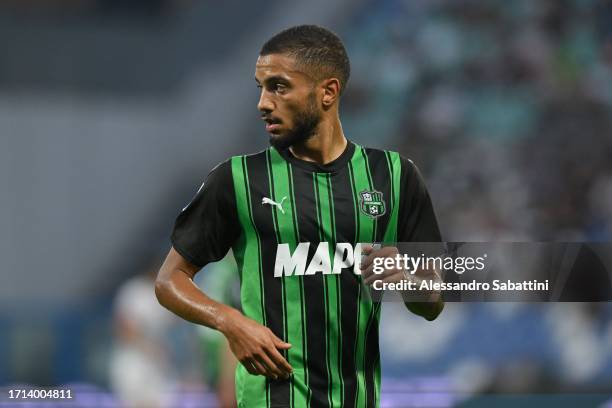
(417, 220)
(176, 262)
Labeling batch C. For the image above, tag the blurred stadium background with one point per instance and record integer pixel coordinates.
(113, 111)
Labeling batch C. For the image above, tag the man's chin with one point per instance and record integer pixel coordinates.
(280, 141)
(288, 138)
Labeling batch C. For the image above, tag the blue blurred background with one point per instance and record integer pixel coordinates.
(112, 112)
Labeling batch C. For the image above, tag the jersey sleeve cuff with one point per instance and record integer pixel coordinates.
(185, 254)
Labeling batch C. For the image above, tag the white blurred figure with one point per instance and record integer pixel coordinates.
(140, 368)
(221, 281)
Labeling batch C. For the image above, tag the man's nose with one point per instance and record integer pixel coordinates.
(265, 103)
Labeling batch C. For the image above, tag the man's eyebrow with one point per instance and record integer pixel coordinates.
(274, 78)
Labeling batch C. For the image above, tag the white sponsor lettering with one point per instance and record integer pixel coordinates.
(345, 256)
(320, 262)
(287, 264)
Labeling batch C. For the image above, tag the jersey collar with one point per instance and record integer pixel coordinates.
(330, 167)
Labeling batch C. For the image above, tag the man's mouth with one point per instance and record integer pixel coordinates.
(272, 124)
(272, 127)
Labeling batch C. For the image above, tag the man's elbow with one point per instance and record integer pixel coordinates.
(432, 313)
(427, 310)
(162, 287)
(430, 317)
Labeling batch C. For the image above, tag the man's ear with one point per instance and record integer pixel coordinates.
(331, 92)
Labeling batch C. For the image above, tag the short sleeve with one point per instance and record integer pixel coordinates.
(207, 227)
(417, 220)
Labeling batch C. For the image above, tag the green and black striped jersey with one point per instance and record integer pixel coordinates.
(295, 229)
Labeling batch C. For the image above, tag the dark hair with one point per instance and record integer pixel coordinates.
(317, 49)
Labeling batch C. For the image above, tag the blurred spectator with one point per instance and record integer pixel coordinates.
(506, 109)
(141, 373)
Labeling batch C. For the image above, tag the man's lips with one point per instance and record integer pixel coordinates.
(271, 124)
(270, 127)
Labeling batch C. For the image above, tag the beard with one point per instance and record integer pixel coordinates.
(305, 124)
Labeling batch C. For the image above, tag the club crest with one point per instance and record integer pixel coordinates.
(372, 203)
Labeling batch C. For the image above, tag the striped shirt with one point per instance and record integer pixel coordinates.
(294, 227)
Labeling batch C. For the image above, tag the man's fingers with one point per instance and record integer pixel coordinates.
(367, 273)
(366, 248)
(278, 343)
(368, 262)
(372, 253)
(261, 369)
(261, 364)
(249, 367)
(387, 276)
(253, 367)
(271, 370)
(370, 276)
(368, 251)
(280, 361)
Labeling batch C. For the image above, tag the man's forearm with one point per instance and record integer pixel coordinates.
(177, 292)
(253, 344)
(428, 304)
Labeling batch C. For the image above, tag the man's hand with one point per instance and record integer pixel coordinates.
(367, 265)
(428, 304)
(256, 347)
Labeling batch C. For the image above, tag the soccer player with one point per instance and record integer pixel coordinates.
(294, 215)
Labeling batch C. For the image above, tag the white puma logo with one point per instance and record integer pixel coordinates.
(266, 200)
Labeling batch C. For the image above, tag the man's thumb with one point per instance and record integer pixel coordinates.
(281, 344)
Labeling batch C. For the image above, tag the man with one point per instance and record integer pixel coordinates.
(293, 214)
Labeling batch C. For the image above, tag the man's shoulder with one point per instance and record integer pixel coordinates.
(247, 156)
(391, 156)
(226, 165)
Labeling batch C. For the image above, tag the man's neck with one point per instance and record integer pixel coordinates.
(325, 146)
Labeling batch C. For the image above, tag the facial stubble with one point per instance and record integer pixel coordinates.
(305, 124)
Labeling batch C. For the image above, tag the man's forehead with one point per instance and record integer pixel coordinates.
(276, 64)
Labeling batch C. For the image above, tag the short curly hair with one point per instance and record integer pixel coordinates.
(318, 50)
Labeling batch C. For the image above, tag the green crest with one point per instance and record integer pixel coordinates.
(372, 203)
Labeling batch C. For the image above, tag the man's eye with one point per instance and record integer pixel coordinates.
(281, 87)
